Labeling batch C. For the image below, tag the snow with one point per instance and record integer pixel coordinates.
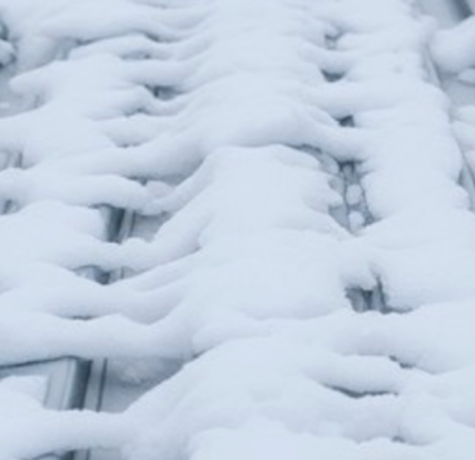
(229, 120)
(452, 48)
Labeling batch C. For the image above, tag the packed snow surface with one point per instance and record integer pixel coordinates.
(231, 121)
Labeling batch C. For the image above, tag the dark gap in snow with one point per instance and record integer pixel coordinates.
(11, 103)
(159, 93)
(357, 210)
(7, 48)
(167, 94)
(467, 181)
(11, 160)
(358, 394)
(462, 9)
(332, 77)
(347, 122)
(139, 109)
(359, 299)
(159, 38)
(154, 90)
(163, 93)
(400, 439)
(467, 5)
(66, 380)
(4, 32)
(63, 52)
(402, 364)
(332, 168)
(116, 230)
(57, 456)
(116, 383)
(331, 43)
(117, 227)
(359, 216)
(353, 214)
(358, 213)
(378, 300)
(364, 300)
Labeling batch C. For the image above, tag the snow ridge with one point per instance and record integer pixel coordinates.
(234, 120)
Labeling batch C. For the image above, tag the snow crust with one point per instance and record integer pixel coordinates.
(217, 115)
